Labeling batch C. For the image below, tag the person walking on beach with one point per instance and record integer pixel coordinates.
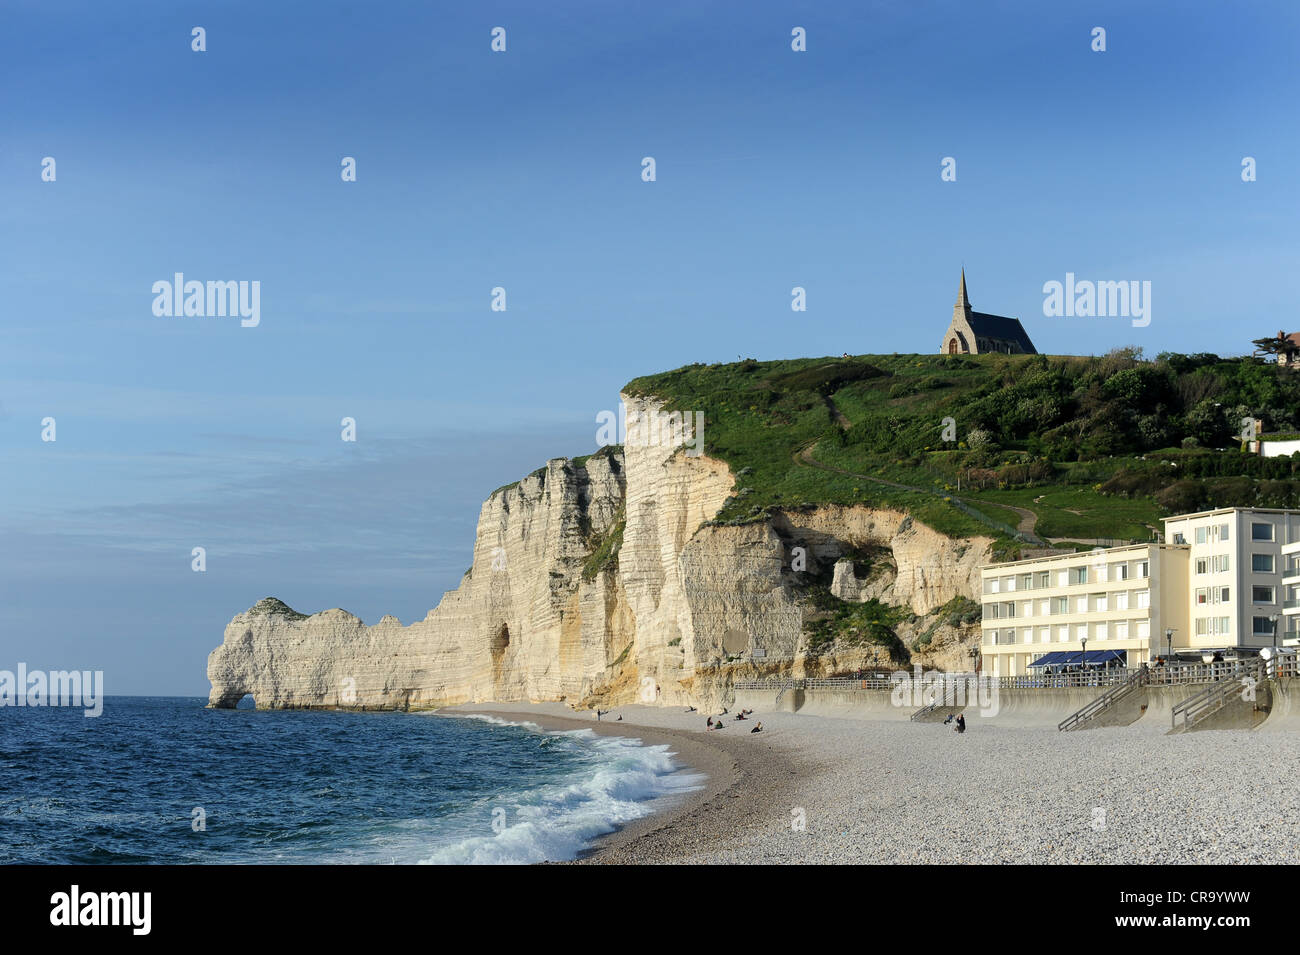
(961, 724)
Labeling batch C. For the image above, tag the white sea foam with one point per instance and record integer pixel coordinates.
(557, 821)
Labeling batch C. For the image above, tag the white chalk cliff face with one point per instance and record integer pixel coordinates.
(596, 584)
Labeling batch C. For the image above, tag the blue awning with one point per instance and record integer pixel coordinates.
(1050, 659)
(1074, 658)
(1102, 657)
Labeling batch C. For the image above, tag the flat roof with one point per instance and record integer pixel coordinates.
(1085, 553)
(1232, 510)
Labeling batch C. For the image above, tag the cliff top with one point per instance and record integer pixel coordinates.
(1083, 449)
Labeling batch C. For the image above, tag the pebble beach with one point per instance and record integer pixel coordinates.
(814, 789)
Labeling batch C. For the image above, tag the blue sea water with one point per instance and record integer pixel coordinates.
(310, 787)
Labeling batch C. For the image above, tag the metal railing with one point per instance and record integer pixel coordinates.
(1076, 678)
(1108, 699)
(1177, 674)
(1214, 697)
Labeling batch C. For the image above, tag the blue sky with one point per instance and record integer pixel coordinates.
(522, 169)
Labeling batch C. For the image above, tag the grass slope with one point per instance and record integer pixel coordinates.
(1081, 448)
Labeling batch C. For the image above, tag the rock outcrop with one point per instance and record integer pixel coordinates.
(598, 583)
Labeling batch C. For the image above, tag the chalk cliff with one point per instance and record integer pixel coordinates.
(606, 582)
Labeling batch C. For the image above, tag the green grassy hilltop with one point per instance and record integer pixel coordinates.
(1084, 449)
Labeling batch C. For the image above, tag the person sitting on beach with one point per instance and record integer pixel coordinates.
(709, 724)
(740, 715)
(951, 717)
(690, 709)
(758, 728)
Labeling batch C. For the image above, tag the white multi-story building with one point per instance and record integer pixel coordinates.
(1215, 584)
(1235, 569)
(1109, 600)
(1290, 626)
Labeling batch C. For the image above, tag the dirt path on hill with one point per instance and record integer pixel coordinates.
(803, 455)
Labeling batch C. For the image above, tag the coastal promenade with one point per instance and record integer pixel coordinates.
(1035, 700)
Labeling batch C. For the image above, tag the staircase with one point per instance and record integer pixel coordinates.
(1200, 706)
(941, 701)
(1137, 679)
(926, 710)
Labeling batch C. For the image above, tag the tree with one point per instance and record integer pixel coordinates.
(1282, 347)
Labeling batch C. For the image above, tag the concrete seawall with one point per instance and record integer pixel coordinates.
(1284, 712)
(1147, 711)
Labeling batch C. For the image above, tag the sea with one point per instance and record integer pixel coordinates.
(166, 780)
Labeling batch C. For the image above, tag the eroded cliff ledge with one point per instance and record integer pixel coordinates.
(604, 582)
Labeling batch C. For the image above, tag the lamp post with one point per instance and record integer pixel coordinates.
(1084, 661)
(1273, 619)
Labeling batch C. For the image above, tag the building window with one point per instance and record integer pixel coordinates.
(1101, 631)
(1261, 626)
(1261, 563)
(1045, 578)
(1078, 575)
(1261, 595)
(1099, 603)
(1201, 535)
(1061, 605)
(1179, 538)
(1121, 600)
(1026, 581)
(1225, 594)
(1121, 630)
(1213, 626)
(1202, 595)
(1261, 532)
(1144, 569)
(1119, 571)
(1044, 635)
(1144, 599)
(1219, 564)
